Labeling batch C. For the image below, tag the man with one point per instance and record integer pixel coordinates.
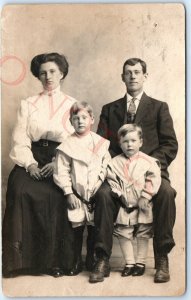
(160, 142)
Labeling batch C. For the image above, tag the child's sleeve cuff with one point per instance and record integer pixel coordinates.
(68, 190)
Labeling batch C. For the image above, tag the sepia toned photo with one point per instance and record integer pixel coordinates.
(93, 150)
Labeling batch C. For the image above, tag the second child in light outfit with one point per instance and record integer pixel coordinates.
(81, 164)
(134, 178)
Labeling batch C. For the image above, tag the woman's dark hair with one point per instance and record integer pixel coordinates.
(58, 59)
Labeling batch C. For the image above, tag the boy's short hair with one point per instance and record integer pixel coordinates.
(129, 128)
(81, 105)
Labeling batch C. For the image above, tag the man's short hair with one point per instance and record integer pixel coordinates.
(129, 128)
(133, 62)
(81, 105)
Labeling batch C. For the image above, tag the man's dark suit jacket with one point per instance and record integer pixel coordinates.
(159, 138)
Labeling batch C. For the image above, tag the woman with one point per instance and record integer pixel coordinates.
(36, 231)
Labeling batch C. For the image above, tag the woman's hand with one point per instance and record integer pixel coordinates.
(47, 170)
(73, 202)
(34, 172)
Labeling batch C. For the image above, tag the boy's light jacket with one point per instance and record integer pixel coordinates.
(81, 168)
(135, 177)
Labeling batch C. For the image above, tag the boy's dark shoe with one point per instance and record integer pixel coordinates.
(139, 270)
(78, 263)
(78, 268)
(162, 272)
(56, 272)
(127, 271)
(101, 270)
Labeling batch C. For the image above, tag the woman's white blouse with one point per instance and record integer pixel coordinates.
(45, 116)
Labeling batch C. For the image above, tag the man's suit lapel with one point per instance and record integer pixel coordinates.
(119, 110)
(142, 108)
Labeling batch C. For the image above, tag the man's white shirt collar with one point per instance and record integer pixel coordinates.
(138, 97)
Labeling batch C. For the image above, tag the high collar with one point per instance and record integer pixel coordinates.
(52, 92)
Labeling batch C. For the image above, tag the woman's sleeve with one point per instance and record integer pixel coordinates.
(152, 181)
(21, 152)
(62, 172)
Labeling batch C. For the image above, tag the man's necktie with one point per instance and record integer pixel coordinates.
(132, 110)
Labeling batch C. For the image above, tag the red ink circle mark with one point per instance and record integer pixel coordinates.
(21, 76)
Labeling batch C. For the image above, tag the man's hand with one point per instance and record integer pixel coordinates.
(143, 203)
(34, 172)
(73, 202)
(47, 170)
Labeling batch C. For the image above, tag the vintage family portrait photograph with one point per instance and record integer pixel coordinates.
(93, 150)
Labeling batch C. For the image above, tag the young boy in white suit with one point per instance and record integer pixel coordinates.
(134, 178)
(81, 163)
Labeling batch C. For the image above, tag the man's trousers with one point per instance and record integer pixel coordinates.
(164, 212)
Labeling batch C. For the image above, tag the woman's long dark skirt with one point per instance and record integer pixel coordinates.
(36, 233)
